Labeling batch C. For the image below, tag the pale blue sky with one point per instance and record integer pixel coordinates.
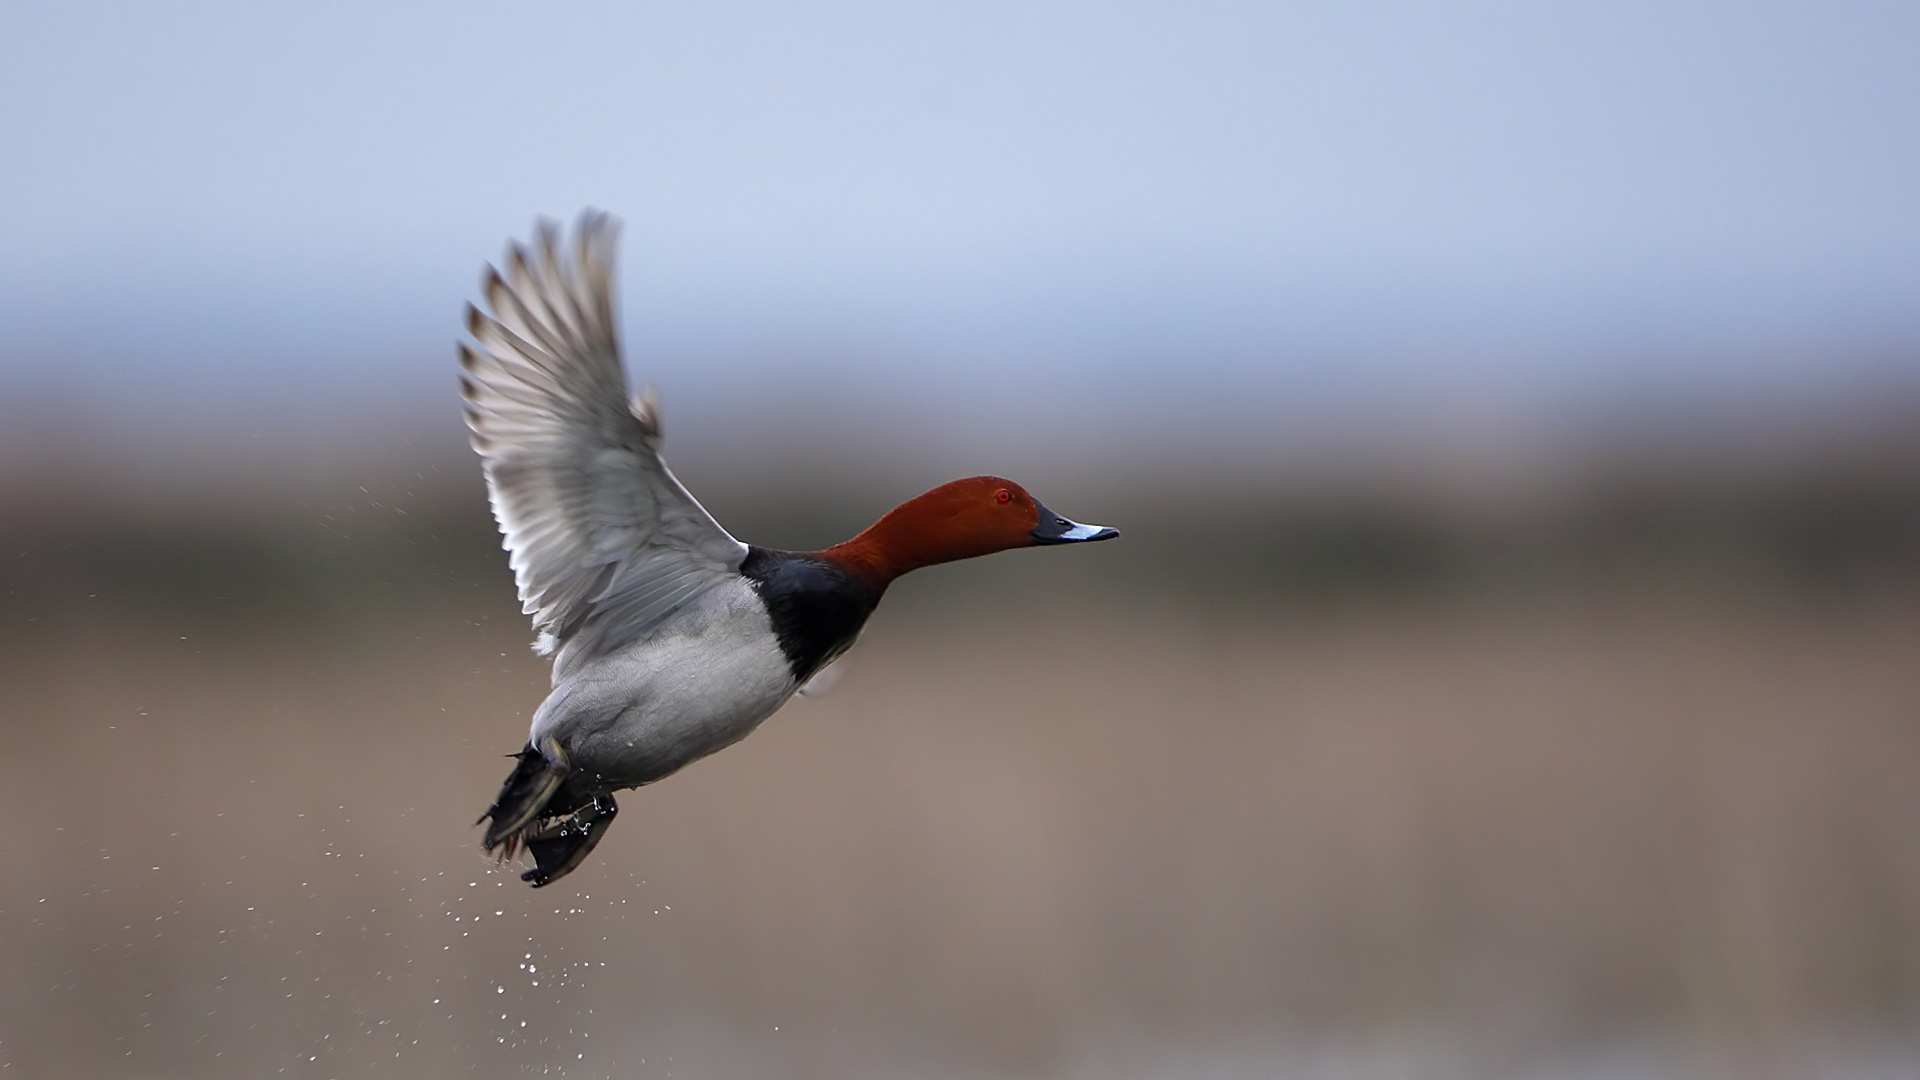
(1482, 193)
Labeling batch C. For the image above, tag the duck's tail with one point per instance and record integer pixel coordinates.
(557, 831)
(535, 778)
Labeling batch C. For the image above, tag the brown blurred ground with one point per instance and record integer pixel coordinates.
(1622, 782)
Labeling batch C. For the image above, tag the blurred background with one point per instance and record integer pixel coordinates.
(1508, 668)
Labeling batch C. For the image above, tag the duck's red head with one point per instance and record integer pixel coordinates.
(976, 516)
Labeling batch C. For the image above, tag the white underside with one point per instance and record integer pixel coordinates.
(700, 683)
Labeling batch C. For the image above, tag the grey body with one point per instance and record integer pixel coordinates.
(698, 683)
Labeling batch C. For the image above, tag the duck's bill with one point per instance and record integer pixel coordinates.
(1054, 529)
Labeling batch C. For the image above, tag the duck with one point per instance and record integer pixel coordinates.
(670, 640)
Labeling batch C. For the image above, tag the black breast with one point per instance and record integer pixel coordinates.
(817, 606)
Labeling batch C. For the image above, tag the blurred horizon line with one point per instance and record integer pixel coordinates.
(1280, 423)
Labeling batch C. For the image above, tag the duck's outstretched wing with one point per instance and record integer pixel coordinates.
(605, 543)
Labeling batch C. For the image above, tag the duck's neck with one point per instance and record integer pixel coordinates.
(883, 552)
(923, 531)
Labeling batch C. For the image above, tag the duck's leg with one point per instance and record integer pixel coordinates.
(563, 845)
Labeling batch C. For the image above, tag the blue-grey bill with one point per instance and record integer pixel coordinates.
(1054, 529)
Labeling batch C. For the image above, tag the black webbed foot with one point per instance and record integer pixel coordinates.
(561, 846)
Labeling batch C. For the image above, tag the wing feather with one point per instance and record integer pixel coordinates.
(605, 544)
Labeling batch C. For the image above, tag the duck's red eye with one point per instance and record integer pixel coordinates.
(1003, 495)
